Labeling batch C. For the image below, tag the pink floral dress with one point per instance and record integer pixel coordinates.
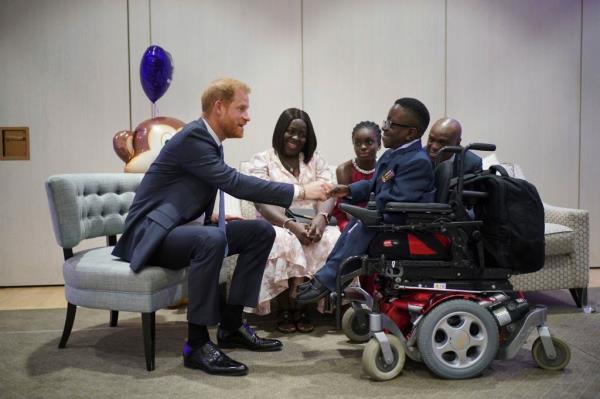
(288, 257)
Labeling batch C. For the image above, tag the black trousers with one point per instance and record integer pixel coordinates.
(202, 249)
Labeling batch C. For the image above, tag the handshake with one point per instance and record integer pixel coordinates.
(322, 191)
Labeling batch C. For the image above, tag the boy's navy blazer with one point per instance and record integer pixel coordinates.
(180, 185)
(401, 175)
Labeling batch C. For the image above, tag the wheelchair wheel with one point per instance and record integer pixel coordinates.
(374, 363)
(352, 328)
(563, 354)
(458, 339)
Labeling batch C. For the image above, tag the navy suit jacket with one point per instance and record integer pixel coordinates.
(473, 164)
(180, 185)
(401, 175)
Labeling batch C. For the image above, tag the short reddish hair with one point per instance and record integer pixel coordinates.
(221, 89)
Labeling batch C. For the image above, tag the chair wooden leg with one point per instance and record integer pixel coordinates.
(114, 318)
(148, 327)
(69, 319)
(153, 331)
(579, 296)
(153, 337)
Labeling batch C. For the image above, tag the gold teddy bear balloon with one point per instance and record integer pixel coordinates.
(138, 149)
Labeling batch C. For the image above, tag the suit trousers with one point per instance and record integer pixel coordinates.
(355, 240)
(202, 248)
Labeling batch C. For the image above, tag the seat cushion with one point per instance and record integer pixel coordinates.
(96, 269)
(560, 240)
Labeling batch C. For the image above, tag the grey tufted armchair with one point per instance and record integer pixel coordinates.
(84, 206)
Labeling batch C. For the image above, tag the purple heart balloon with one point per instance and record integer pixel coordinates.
(156, 71)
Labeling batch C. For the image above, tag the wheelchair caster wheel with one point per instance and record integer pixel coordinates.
(352, 327)
(563, 354)
(374, 364)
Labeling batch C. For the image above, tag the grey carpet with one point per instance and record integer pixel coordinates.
(103, 362)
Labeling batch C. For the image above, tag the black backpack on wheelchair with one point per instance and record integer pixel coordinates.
(513, 221)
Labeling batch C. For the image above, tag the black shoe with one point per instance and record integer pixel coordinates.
(245, 337)
(305, 285)
(311, 291)
(210, 359)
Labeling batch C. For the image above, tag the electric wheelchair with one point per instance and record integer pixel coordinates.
(440, 304)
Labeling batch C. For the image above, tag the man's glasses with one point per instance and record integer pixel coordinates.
(386, 124)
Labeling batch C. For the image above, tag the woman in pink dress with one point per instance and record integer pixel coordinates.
(300, 249)
(366, 139)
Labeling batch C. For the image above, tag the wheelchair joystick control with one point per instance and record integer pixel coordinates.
(371, 204)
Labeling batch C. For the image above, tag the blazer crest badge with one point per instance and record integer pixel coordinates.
(389, 174)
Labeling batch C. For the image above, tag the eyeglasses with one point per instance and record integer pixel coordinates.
(386, 124)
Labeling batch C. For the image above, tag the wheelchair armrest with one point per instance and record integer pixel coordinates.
(369, 217)
(405, 207)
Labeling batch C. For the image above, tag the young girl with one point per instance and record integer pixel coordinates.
(366, 138)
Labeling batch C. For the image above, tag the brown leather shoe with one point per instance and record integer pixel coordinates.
(285, 323)
(303, 322)
(183, 302)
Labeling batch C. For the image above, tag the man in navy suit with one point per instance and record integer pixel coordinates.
(447, 132)
(402, 174)
(179, 187)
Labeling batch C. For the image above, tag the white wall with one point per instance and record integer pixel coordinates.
(513, 79)
(360, 56)
(517, 73)
(590, 123)
(64, 74)
(258, 42)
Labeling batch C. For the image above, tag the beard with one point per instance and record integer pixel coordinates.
(231, 128)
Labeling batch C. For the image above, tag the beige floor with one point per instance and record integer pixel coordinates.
(53, 297)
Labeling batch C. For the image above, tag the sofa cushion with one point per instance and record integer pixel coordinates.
(560, 240)
(96, 269)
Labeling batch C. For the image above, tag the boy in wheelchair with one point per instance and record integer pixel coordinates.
(403, 174)
(440, 275)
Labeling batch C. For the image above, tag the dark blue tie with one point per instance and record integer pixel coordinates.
(221, 222)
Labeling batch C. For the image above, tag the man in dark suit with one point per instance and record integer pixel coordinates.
(447, 132)
(179, 187)
(402, 174)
